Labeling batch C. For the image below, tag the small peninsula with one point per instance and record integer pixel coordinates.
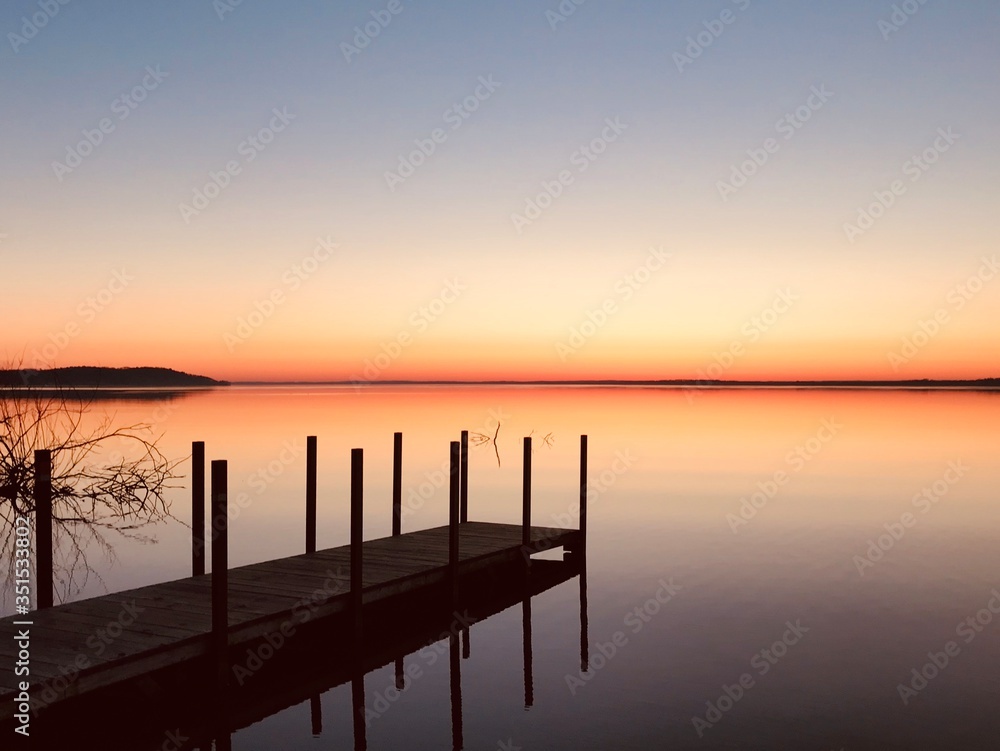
(95, 377)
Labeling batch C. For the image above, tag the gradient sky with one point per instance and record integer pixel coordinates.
(190, 280)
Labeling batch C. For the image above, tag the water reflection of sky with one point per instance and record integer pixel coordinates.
(670, 471)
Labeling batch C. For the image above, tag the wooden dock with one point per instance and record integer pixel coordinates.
(217, 629)
(170, 623)
(409, 632)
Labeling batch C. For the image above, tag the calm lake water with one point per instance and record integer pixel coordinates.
(768, 567)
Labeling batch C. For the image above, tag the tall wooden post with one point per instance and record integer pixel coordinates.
(311, 494)
(453, 519)
(220, 570)
(464, 513)
(43, 529)
(526, 498)
(357, 585)
(397, 484)
(197, 508)
(583, 492)
(357, 534)
(584, 620)
(529, 684)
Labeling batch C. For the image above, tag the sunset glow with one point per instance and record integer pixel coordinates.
(297, 220)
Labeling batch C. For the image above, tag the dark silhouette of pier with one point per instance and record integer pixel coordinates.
(258, 638)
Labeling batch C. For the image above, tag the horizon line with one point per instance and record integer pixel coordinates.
(995, 381)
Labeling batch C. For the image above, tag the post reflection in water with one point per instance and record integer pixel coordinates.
(400, 674)
(316, 715)
(584, 626)
(455, 671)
(358, 706)
(534, 578)
(529, 687)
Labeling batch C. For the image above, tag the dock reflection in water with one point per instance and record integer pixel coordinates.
(315, 660)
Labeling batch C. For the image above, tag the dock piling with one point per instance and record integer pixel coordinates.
(43, 528)
(464, 490)
(197, 508)
(583, 494)
(397, 484)
(220, 569)
(311, 494)
(453, 518)
(526, 498)
(357, 533)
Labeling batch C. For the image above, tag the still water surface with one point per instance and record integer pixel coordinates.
(819, 546)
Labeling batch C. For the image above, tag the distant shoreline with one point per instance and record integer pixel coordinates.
(103, 378)
(165, 378)
(984, 384)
